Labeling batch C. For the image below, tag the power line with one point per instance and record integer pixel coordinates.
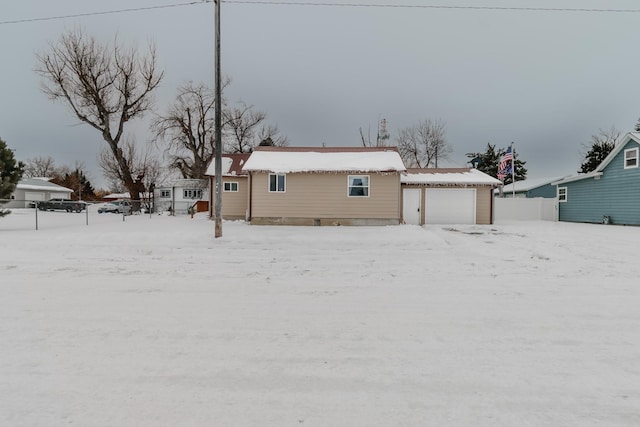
(320, 4)
(107, 12)
(413, 6)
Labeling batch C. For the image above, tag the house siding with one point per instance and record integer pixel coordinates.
(234, 204)
(547, 191)
(18, 200)
(616, 194)
(310, 197)
(484, 199)
(177, 197)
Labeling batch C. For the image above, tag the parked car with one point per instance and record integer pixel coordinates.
(117, 206)
(62, 205)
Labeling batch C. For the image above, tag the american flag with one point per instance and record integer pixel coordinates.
(506, 167)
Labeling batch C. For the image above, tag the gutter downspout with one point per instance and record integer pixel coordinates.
(250, 197)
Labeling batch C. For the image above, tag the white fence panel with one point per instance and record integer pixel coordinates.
(538, 208)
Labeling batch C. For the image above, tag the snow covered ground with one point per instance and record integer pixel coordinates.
(153, 322)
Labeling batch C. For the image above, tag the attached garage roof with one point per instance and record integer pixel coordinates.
(324, 159)
(448, 176)
(37, 184)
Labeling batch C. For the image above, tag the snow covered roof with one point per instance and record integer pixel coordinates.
(231, 165)
(184, 183)
(325, 159)
(448, 176)
(189, 183)
(115, 196)
(39, 184)
(530, 184)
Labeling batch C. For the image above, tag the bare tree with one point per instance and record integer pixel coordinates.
(145, 167)
(245, 129)
(105, 87)
(610, 136)
(424, 144)
(242, 123)
(269, 135)
(188, 130)
(40, 167)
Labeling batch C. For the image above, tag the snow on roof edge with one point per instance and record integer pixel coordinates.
(325, 161)
(455, 176)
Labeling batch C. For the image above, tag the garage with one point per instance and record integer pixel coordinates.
(447, 196)
(450, 206)
(30, 190)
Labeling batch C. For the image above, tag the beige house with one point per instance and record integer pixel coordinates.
(324, 186)
(447, 196)
(235, 187)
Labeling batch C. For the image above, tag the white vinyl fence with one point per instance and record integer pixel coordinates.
(538, 208)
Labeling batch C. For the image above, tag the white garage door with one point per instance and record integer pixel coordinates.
(450, 206)
(33, 196)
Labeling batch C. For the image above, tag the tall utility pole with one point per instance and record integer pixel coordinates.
(218, 126)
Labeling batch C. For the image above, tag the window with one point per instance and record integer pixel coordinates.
(631, 158)
(192, 194)
(358, 186)
(562, 194)
(231, 186)
(165, 193)
(277, 183)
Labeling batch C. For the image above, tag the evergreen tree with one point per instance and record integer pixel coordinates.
(77, 181)
(267, 142)
(595, 155)
(489, 161)
(602, 143)
(10, 173)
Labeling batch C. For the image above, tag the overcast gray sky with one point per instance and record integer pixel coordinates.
(546, 80)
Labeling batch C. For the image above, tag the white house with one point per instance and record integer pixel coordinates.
(180, 195)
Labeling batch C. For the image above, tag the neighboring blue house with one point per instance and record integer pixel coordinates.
(531, 188)
(610, 194)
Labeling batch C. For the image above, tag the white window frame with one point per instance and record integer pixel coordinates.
(350, 186)
(277, 188)
(231, 185)
(562, 194)
(165, 194)
(635, 158)
(191, 193)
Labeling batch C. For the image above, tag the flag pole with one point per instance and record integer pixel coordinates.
(513, 171)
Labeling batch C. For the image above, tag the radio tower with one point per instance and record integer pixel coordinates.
(383, 135)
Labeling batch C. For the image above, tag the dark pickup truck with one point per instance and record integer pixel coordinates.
(62, 205)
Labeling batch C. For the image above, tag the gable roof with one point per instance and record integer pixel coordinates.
(447, 176)
(231, 164)
(631, 136)
(40, 184)
(324, 159)
(530, 184)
